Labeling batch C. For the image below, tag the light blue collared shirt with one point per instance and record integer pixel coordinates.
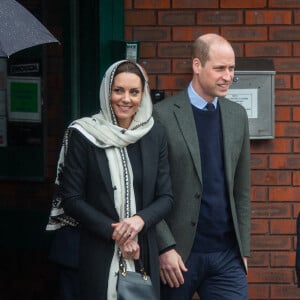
(198, 101)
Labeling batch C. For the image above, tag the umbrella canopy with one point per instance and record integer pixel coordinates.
(19, 29)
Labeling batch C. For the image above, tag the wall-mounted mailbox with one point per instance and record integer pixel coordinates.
(253, 87)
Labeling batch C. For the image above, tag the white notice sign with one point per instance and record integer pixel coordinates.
(247, 98)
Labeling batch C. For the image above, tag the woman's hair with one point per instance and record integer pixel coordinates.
(130, 67)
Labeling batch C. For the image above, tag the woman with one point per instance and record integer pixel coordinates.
(116, 182)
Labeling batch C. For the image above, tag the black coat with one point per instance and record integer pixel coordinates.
(88, 197)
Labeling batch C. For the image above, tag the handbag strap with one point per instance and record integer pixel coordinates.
(123, 267)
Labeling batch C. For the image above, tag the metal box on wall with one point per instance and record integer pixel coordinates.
(253, 87)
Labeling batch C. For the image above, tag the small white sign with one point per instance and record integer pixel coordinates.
(247, 98)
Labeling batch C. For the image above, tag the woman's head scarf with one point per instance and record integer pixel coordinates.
(102, 129)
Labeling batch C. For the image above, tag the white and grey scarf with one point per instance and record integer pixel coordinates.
(103, 131)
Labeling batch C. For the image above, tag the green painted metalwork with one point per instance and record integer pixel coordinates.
(90, 28)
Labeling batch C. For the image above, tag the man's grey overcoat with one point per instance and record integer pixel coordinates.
(176, 114)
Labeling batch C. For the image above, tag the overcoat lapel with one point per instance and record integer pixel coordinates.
(184, 116)
(228, 128)
(102, 165)
(146, 145)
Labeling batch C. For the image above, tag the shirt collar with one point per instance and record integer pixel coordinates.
(197, 100)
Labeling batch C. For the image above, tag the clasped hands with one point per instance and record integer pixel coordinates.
(124, 235)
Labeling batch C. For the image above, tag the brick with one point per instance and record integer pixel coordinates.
(281, 291)
(258, 162)
(258, 259)
(284, 4)
(285, 161)
(140, 17)
(296, 209)
(238, 49)
(283, 259)
(296, 81)
(282, 81)
(296, 48)
(259, 292)
(156, 66)
(213, 17)
(289, 97)
(177, 18)
(277, 145)
(258, 194)
(270, 178)
(270, 210)
(296, 146)
(268, 49)
(173, 82)
(283, 33)
(283, 114)
(268, 17)
(172, 50)
(128, 33)
(189, 34)
(272, 243)
(151, 33)
(151, 4)
(152, 81)
(243, 4)
(282, 227)
(183, 66)
(245, 33)
(284, 194)
(296, 178)
(271, 276)
(296, 114)
(128, 4)
(259, 226)
(287, 64)
(287, 130)
(148, 49)
(296, 16)
(188, 4)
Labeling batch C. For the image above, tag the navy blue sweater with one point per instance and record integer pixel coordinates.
(215, 228)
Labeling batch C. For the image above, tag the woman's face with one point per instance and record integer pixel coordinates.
(126, 96)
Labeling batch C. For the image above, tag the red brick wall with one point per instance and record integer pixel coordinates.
(256, 28)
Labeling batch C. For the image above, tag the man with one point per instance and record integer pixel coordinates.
(205, 241)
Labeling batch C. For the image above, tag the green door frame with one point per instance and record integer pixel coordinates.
(90, 28)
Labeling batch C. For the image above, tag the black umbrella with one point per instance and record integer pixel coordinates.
(19, 29)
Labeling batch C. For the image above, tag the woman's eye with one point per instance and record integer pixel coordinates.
(117, 90)
(135, 92)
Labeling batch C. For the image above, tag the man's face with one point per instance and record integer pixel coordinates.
(215, 77)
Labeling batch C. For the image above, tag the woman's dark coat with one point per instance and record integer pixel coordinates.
(88, 197)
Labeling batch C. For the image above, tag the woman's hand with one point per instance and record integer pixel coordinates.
(130, 250)
(127, 229)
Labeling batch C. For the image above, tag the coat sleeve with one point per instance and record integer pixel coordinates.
(241, 190)
(74, 185)
(159, 186)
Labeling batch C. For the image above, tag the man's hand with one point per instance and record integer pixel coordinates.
(171, 268)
